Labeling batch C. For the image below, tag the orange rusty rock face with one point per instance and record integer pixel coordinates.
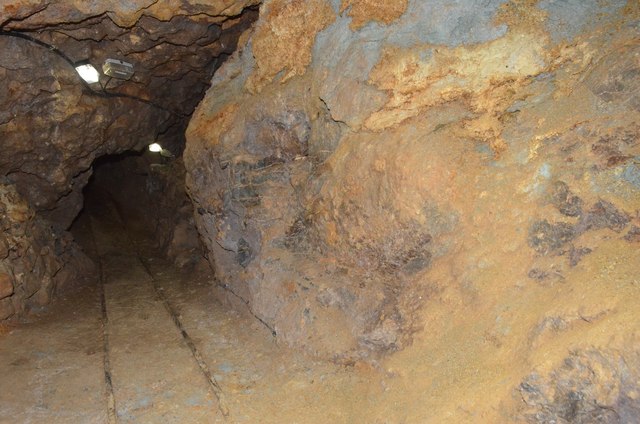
(479, 208)
(365, 11)
(449, 191)
(284, 38)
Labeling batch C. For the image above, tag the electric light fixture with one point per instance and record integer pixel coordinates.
(155, 148)
(87, 72)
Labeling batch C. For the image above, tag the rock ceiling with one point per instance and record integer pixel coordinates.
(174, 49)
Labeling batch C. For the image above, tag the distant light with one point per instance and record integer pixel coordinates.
(117, 69)
(155, 148)
(88, 73)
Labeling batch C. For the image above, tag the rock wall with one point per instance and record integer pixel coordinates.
(364, 171)
(54, 126)
(35, 259)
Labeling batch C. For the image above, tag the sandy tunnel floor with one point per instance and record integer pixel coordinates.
(151, 344)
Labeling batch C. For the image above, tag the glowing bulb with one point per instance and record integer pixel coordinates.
(155, 148)
(88, 73)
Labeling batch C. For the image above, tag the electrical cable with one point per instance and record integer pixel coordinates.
(104, 87)
(103, 93)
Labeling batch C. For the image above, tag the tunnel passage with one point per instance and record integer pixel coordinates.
(146, 190)
(434, 205)
(54, 123)
(137, 226)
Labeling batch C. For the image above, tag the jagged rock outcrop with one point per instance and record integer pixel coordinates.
(52, 130)
(35, 259)
(54, 126)
(381, 171)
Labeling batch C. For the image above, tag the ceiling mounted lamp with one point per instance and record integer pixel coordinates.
(87, 72)
(112, 68)
(155, 148)
(117, 69)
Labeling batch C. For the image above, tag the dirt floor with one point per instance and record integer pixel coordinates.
(149, 343)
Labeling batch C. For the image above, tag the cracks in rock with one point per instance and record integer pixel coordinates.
(78, 39)
(89, 89)
(37, 11)
(31, 174)
(337, 121)
(177, 78)
(223, 15)
(160, 43)
(45, 26)
(254, 7)
(170, 123)
(226, 249)
(24, 36)
(150, 5)
(168, 53)
(15, 68)
(68, 28)
(247, 303)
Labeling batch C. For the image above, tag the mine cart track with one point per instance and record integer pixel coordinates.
(111, 401)
(112, 411)
(202, 365)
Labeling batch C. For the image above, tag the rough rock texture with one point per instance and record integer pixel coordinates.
(287, 52)
(53, 126)
(429, 168)
(35, 259)
(447, 189)
(364, 11)
(52, 131)
(589, 387)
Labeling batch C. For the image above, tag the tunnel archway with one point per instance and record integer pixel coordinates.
(146, 190)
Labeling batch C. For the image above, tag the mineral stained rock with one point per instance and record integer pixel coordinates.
(377, 171)
(589, 387)
(446, 187)
(54, 127)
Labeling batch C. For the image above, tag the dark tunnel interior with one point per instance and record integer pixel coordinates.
(146, 191)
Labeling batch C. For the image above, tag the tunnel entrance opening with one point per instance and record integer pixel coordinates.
(144, 192)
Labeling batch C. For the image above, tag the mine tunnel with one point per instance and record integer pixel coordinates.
(324, 211)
